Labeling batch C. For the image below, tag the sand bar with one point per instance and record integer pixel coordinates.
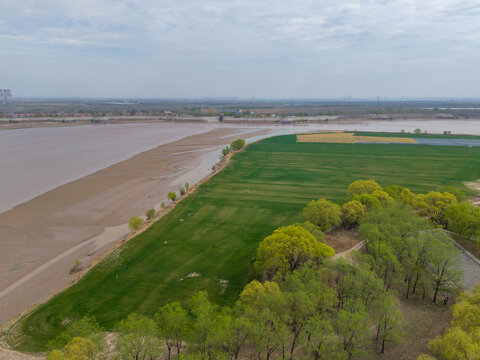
(41, 238)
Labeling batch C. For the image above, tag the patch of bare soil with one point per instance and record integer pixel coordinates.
(15, 355)
(342, 240)
(424, 321)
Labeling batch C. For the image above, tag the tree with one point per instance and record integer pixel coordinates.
(255, 290)
(368, 200)
(232, 332)
(187, 186)
(459, 194)
(237, 144)
(363, 187)
(267, 329)
(323, 213)
(172, 322)
(443, 265)
(354, 330)
(434, 205)
(323, 342)
(182, 191)
(464, 219)
(352, 212)
(312, 229)
(87, 327)
(456, 344)
(288, 248)
(417, 131)
(77, 348)
(205, 323)
(225, 151)
(401, 193)
(172, 195)
(389, 321)
(462, 339)
(134, 223)
(150, 214)
(137, 338)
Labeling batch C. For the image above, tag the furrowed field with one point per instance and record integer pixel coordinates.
(209, 240)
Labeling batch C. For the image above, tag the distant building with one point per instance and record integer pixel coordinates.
(5, 96)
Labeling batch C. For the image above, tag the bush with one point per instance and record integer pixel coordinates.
(417, 131)
(150, 214)
(187, 186)
(237, 144)
(162, 205)
(172, 195)
(182, 191)
(134, 223)
(76, 267)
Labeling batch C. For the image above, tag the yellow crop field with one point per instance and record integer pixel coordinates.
(348, 138)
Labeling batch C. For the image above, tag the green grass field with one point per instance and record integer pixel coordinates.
(215, 231)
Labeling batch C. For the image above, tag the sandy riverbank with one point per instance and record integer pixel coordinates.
(41, 238)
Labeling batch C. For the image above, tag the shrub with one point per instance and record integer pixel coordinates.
(150, 214)
(187, 186)
(225, 151)
(417, 131)
(76, 267)
(172, 195)
(162, 205)
(182, 191)
(134, 223)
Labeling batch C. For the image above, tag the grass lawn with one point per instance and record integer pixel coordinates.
(215, 231)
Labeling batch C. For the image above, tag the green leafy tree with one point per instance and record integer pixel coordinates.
(323, 213)
(205, 323)
(368, 200)
(323, 342)
(172, 195)
(182, 191)
(77, 348)
(352, 212)
(459, 194)
(354, 331)
(232, 332)
(225, 151)
(255, 290)
(173, 322)
(187, 186)
(150, 214)
(237, 144)
(434, 205)
(312, 229)
(456, 344)
(287, 249)
(389, 321)
(464, 219)
(417, 131)
(443, 265)
(87, 327)
(363, 187)
(401, 193)
(135, 222)
(137, 338)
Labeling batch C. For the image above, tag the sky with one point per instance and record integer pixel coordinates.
(240, 48)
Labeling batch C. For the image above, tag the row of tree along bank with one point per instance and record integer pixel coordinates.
(307, 305)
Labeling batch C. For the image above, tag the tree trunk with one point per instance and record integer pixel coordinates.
(408, 288)
(383, 346)
(436, 292)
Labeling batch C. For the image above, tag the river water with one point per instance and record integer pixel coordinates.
(36, 160)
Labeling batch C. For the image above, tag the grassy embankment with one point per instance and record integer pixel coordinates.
(215, 231)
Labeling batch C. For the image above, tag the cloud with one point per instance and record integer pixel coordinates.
(297, 44)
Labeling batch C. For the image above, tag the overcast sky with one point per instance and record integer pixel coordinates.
(243, 48)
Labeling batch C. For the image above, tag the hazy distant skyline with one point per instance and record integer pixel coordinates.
(263, 49)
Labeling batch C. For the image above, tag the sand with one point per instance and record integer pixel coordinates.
(41, 238)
